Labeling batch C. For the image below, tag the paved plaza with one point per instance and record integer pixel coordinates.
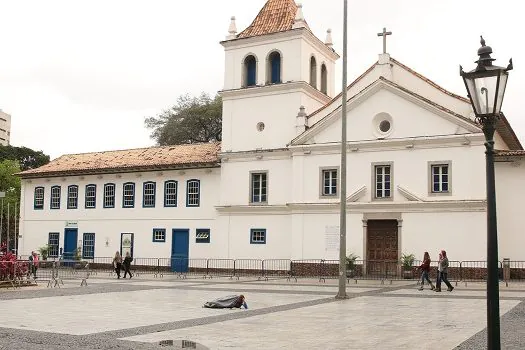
(141, 312)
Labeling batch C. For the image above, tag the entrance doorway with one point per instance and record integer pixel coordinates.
(180, 246)
(70, 243)
(382, 247)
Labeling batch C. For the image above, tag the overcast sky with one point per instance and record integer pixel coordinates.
(80, 76)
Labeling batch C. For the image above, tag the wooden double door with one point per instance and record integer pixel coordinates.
(382, 247)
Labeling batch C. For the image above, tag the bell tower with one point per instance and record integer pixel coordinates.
(272, 68)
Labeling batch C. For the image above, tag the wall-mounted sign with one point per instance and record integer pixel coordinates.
(71, 224)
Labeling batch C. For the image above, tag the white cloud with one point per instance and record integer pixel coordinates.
(80, 76)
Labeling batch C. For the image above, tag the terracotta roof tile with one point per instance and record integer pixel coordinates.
(275, 16)
(167, 157)
(511, 153)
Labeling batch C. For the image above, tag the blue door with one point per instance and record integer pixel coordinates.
(180, 246)
(70, 243)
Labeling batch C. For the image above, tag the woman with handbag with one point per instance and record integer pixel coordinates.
(117, 263)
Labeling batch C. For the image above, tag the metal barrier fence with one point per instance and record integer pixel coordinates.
(56, 271)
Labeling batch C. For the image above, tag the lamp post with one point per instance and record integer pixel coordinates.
(486, 88)
(341, 294)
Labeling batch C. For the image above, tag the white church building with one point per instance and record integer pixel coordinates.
(270, 189)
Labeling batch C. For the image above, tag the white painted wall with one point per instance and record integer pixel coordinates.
(408, 120)
(510, 210)
(109, 223)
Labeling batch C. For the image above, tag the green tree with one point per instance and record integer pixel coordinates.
(10, 185)
(191, 120)
(26, 157)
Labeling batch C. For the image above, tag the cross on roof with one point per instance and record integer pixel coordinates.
(384, 34)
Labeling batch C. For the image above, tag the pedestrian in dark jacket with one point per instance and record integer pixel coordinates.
(117, 263)
(127, 265)
(425, 269)
(443, 272)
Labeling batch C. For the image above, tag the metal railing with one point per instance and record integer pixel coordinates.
(55, 271)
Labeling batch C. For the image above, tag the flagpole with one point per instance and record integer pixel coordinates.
(342, 226)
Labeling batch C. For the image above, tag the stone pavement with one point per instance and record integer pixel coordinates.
(139, 313)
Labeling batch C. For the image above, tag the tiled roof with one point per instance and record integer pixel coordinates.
(514, 153)
(153, 158)
(275, 16)
(430, 82)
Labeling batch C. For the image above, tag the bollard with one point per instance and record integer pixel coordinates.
(506, 271)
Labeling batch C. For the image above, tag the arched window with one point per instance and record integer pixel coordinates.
(250, 71)
(313, 72)
(324, 80)
(273, 70)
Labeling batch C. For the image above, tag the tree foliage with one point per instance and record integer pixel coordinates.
(26, 157)
(191, 120)
(10, 185)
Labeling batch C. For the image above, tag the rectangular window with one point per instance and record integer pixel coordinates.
(383, 181)
(128, 195)
(440, 175)
(193, 189)
(55, 197)
(258, 236)
(170, 194)
(72, 197)
(159, 235)
(202, 235)
(148, 199)
(259, 184)
(88, 246)
(39, 198)
(53, 240)
(91, 196)
(329, 185)
(109, 196)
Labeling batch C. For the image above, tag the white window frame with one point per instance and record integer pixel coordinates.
(258, 236)
(193, 193)
(170, 193)
(55, 197)
(39, 195)
(90, 201)
(90, 246)
(128, 195)
(159, 235)
(261, 178)
(109, 197)
(322, 186)
(381, 167)
(440, 165)
(53, 248)
(149, 194)
(72, 197)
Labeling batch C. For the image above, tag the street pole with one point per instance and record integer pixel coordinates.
(8, 226)
(342, 225)
(493, 323)
(16, 233)
(2, 221)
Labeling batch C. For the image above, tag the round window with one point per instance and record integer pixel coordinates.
(384, 126)
(260, 126)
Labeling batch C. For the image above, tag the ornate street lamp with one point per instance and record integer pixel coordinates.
(486, 89)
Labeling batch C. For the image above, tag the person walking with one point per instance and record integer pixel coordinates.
(127, 265)
(443, 272)
(33, 263)
(117, 263)
(425, 269)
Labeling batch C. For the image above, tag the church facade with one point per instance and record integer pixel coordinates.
(270, 189)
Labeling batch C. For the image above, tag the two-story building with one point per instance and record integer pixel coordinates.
(271, 189)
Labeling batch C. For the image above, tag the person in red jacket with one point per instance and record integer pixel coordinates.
(425, 269)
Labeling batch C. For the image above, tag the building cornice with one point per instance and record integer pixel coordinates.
(276, 89)
(284, 35)
(409, 143)
(358, 207)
